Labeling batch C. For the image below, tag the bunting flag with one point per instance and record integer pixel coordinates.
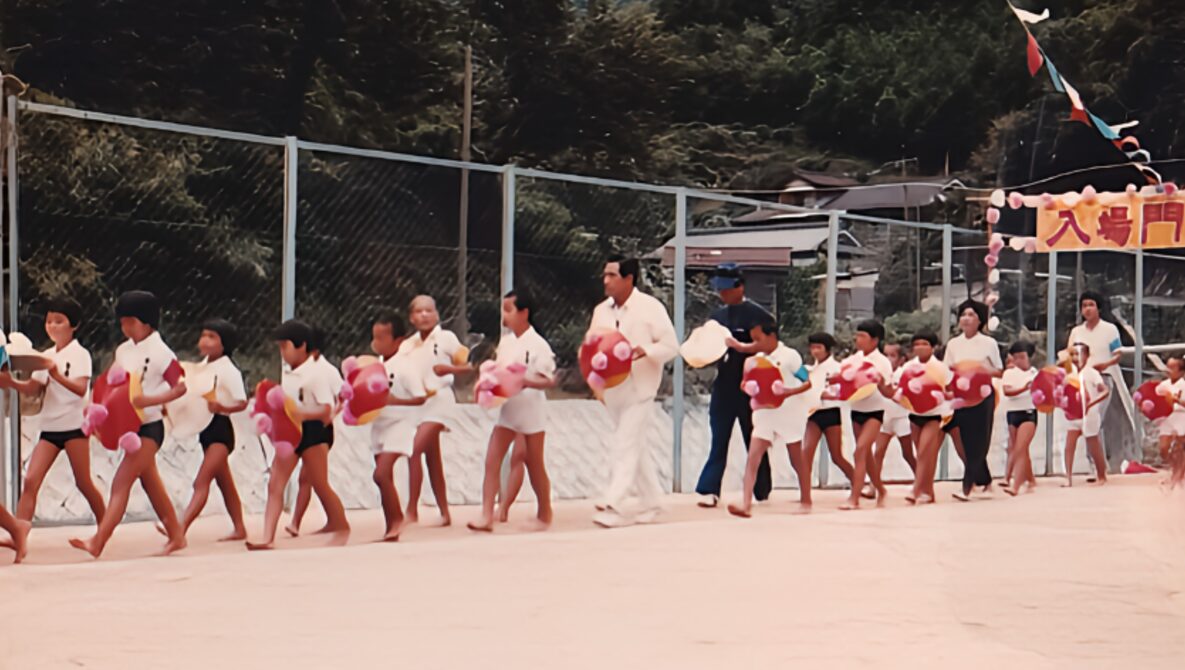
(1036, 58)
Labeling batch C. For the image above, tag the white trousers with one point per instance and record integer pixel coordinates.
(632, 467)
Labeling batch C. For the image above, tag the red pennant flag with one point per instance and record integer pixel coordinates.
(1035, 57)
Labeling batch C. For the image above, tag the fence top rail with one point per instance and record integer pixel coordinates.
(166, 126)
(396, 156)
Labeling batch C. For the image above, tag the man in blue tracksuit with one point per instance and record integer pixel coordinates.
(729, 403)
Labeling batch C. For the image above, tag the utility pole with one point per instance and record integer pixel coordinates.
(463, 229)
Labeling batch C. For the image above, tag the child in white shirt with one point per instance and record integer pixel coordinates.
(1172, 427)
(1021, 415)
(825, 420)
(927, 426)
(1094, 392)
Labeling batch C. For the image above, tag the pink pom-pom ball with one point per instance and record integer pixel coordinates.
(130, 443)
(1170, 188)
(485, 398)
(958, 403)
(348, 416)
(116, 375)
(1047, 201)
(263, 424)
(996, 243)
(97, 415)
(347, 392)
(622, 351)
(1089, 194)
(1131, 189)
(1137, 396)
(1147, 406)
(600, 361)
(938, 395)
(985, 390)
(1039, 397)
(991, 260)
(1016, 200)
(595, 381)
(376, 384)
(516, 368)
(915, 385)
(777, 387)
(993, 215)
(1031, 245)
(275, 398)
(963, 384)
(991, 299)
(848, 374)
(751, 388)
(349, 365)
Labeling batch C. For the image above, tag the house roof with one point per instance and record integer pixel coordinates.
(821, 179)
(885, 196)
(753, 247)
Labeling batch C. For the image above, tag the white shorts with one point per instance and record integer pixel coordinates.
(525, 413)
(1090, 426)
(439, 408)
(389, 436)
(784, 425)
(896, 425)
(1173, 424)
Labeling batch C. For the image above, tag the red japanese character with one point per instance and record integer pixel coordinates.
(1166, 212)
(1115, 225)
(1069, 220)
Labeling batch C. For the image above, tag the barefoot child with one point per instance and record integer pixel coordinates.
(868, 413)
(218, 373)
(781, 425)
(392, 432)
(927, 426)
(315, 400)
(1094, 392)
(825, 421)
(333, 378)
(432, 349)
(1017, 385)
(1172, 427)
(65, 385)
(146, 354)
(18, 532)
(516, 473)
(524, 414)
(896, 423)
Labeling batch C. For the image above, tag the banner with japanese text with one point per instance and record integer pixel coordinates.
(1111, 221)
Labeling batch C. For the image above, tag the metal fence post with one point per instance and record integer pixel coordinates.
(508, 206)
(1138, 376)
(291, 170)
(947, 259)
(10, 483)
(832, 272)
(1050, 349)
(680, 330)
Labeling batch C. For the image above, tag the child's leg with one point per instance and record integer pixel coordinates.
(514, 479)
(956, 438)
(19, 530)
(1071, 447)
(316, 460)
(415, 477)
(540, 482)
(304, 495)
(428, 441)
(154, 488)
(212, 461)
(1177, 462)
(500, 440)
(78, 452)
(874, 476)
(834, 437)
(1094, 445)
(1165, 443)
(810, 443)
(1024, 440)
(866, 433)
(44, 454)
(282, 467)
(384, 478)
(880, 447)
(1010, 461)
(907, 452)
(234, 506)
(121, 487)
(757, 450)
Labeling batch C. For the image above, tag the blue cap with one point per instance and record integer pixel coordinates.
(726, 276)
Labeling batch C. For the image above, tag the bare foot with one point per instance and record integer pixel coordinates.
(851, 505)
(503, 515)
(537, 525)
(259, 546)
(1099, 482)
(292, 530)
(911, 499)
(20, 540)
(803, 508)
(339, 538)
(411, 516)
(160, 528)
(443, 522)
(882, 496)
(1068, 483)
(235, 535)
(736, 510)
(481, 526)
(867, 492)
(1008, 490)
(174, 545)
(86, 545)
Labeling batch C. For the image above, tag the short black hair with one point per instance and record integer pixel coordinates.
(141, 305)
(626, 267)
(872, 327)
(226, 332)
(822, 338)
(523, 300)
(1099, 300)
(317, 339)
(980, 309)
(1085, 347)
(389, 318)
(299, 333)
(1023, 347)
(767, 326)
(66, 307)
(924, 336)
(1175, 357)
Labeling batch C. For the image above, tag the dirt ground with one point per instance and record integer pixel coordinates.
(1079, 578)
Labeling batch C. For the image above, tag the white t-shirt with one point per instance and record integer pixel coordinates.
(61, 410)
(894, 410)
(1174, 390)
(157, 366)
(788, 362)
(309, 386)
(1102, 341)
(980, 348)
(1013, 379)
(333, 377)
(819, 373)
(532, 351)
(643, 320)
(1092, 386)
(877, 401)
(438, 348)
(221, 376)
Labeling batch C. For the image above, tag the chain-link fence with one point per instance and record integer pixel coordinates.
(254, 229)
